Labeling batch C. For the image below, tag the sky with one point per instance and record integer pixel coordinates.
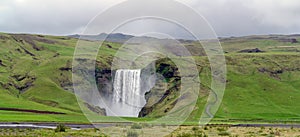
(227, 17)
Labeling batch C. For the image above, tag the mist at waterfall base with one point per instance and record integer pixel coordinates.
(127, 97)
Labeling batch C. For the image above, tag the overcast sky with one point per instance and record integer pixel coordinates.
(227, 17)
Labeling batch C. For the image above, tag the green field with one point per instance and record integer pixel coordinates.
(261, 87)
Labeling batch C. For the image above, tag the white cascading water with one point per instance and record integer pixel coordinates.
(127, 98)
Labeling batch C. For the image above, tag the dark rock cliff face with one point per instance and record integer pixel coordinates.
(104, 80)
(165, 90)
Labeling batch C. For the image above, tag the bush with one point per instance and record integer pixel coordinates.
(146, 125)
(185, 135)
(132, 134)
(60, 128)
(164, 125)
(221, 129)
(223, 133)
(136, 126)
(195, 128)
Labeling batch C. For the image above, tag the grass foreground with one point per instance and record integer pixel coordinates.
(167, 131)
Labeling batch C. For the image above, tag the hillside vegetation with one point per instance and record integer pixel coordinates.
(35, 74)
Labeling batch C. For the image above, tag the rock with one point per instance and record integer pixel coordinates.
(65, 69)
(68, 66)
(171, 75)
(1, 63)
(3, 37)
(56, 55)
(290, 40)
(145, 111)
(294, 40)
(104, 81)
(96, 109)
(263, 70)
(109, 46)
(256, 50)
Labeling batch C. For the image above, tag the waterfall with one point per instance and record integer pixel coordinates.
(127, 98)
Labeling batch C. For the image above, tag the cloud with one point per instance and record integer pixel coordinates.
(228, 17)
(49, 16)
(235, 17)
(277, 12)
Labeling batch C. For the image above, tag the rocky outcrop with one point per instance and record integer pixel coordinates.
(65, 79)
(273, 73)
(1, 63)
(31, 40)
(104, 81)
(22, 82)
(96, 109)
(3, 37)
(263, 70)
(288, 40)
(27, 51)
(256, 50)
(67, 67)
(160, 94)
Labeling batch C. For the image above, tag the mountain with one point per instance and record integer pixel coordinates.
(114, 37)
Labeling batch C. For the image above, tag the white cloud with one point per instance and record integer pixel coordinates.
(228, 17)
(282, 13)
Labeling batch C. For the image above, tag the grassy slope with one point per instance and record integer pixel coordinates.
(250, 94)
(262, 96)
(46, 92)
(253, 95)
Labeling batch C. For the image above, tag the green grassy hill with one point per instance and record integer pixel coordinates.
(35, 74)
(31, 78)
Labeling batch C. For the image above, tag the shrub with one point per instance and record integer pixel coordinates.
(136, 126)
(195, 128)
(221, 129)
(270, 128)
(60, 128)
(199, 134)
(185, 135)
(132, 134)
(223, 133)
(163, 125)
(277, 133)
(145, 125)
